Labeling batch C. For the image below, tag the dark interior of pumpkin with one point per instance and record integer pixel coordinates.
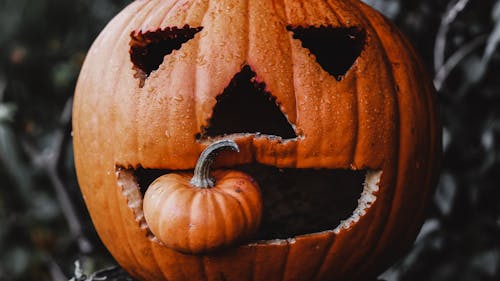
(296, 201)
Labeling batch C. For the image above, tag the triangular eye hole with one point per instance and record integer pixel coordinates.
(245, 107)
(148, 49)
(336, 48)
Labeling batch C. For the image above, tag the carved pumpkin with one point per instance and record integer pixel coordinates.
(332, 111)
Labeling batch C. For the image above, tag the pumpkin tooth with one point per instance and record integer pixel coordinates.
(368, 197)
(131, 191)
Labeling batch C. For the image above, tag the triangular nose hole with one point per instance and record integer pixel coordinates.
(246, 108)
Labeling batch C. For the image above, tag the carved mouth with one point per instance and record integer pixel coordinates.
(296, 201)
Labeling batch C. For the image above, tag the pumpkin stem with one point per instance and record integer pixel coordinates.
(202, 178)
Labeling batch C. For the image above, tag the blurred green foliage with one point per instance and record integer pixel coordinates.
(43, 44)
(42, 47)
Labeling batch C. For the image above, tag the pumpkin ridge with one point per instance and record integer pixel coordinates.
(291, 116)
(304, 9)
(166, 8)
(289, 8)
(397, 152)
(186, 196)
(393, 81)
(292, 73)
(326, 4)
(429, 112)
(281, 14)
(172, 8)
(334, 12)
(199, 200)
(349, 13)
(294, 80)
(144, 11)
(310, 10)
(432, 107)
(426, 93)
(188, 9)
(196, 76)
(397, 149)
(355, 109)
(172, 195)
(243, 209)
(286, 259)
(216, 219)
(331, 240)
(247, 30)
(221, 210)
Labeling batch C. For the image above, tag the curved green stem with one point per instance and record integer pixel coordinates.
(201, 178)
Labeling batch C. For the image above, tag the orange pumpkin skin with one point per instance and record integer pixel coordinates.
(199, 220)
(381, 116)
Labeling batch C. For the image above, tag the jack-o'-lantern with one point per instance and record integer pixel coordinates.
(333, 114)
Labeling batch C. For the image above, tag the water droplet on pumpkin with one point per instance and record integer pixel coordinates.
(167, 133)
(201, 60)
(178, 98)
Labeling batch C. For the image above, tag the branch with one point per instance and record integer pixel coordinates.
(440, 45)
(445, 70)
(493, 41)
(55, 271)
(113, 273)
(48, 160)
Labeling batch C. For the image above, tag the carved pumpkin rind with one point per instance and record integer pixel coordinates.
(381, 116)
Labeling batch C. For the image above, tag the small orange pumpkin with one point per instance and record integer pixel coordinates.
(203, 214)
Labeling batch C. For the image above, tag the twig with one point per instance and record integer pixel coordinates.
(55, 271)
(450, 64)
(493, 41)
(442, 68)
(440, 45)
(48, 161)
(101, 274)
(113, 273)
(3, 86)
